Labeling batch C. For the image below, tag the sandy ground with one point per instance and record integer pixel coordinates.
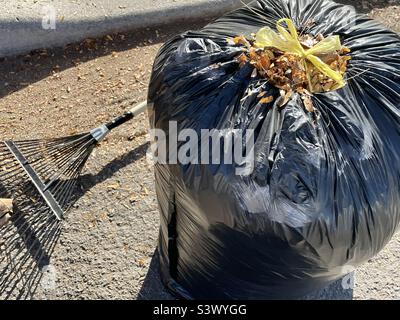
(108, 240)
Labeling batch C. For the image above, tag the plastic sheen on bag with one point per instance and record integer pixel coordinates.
(324, 194)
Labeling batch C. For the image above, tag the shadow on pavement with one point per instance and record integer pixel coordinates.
(88, 181)
(341, 289)
(152, 288)
(26, 244)
(21, 71)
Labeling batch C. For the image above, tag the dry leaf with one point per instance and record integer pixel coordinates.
(308, 104)
(285, 96)
(267, 99)
(241, 40)
(144, 192)
(345, 50)
(114, 186)
(265, 62)
(291, 73)
(142, 262)
(242, 59)
(6, 206)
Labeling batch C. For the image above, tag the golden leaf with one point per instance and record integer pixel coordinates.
(267, 99)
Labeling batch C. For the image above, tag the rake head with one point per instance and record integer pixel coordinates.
(51, 167)
(40, 177)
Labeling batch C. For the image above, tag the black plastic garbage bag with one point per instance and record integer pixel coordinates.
(324, 193)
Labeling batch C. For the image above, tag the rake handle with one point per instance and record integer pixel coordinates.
(119, 120)
(136, 110)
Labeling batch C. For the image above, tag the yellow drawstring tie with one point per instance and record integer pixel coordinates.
(289, 42)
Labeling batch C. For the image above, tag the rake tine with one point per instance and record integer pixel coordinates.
(68, 190)
(68, 165)
(24, 226)
(59, 160)
(58, 187)
(48, 232)
(52, 243)
(20, 215)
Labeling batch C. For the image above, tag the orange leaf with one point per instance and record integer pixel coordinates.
(267, 99)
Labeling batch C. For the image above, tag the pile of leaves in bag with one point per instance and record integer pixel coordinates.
(319, 85)
(289, 61)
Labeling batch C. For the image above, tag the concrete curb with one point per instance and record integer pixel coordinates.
(23, 33)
